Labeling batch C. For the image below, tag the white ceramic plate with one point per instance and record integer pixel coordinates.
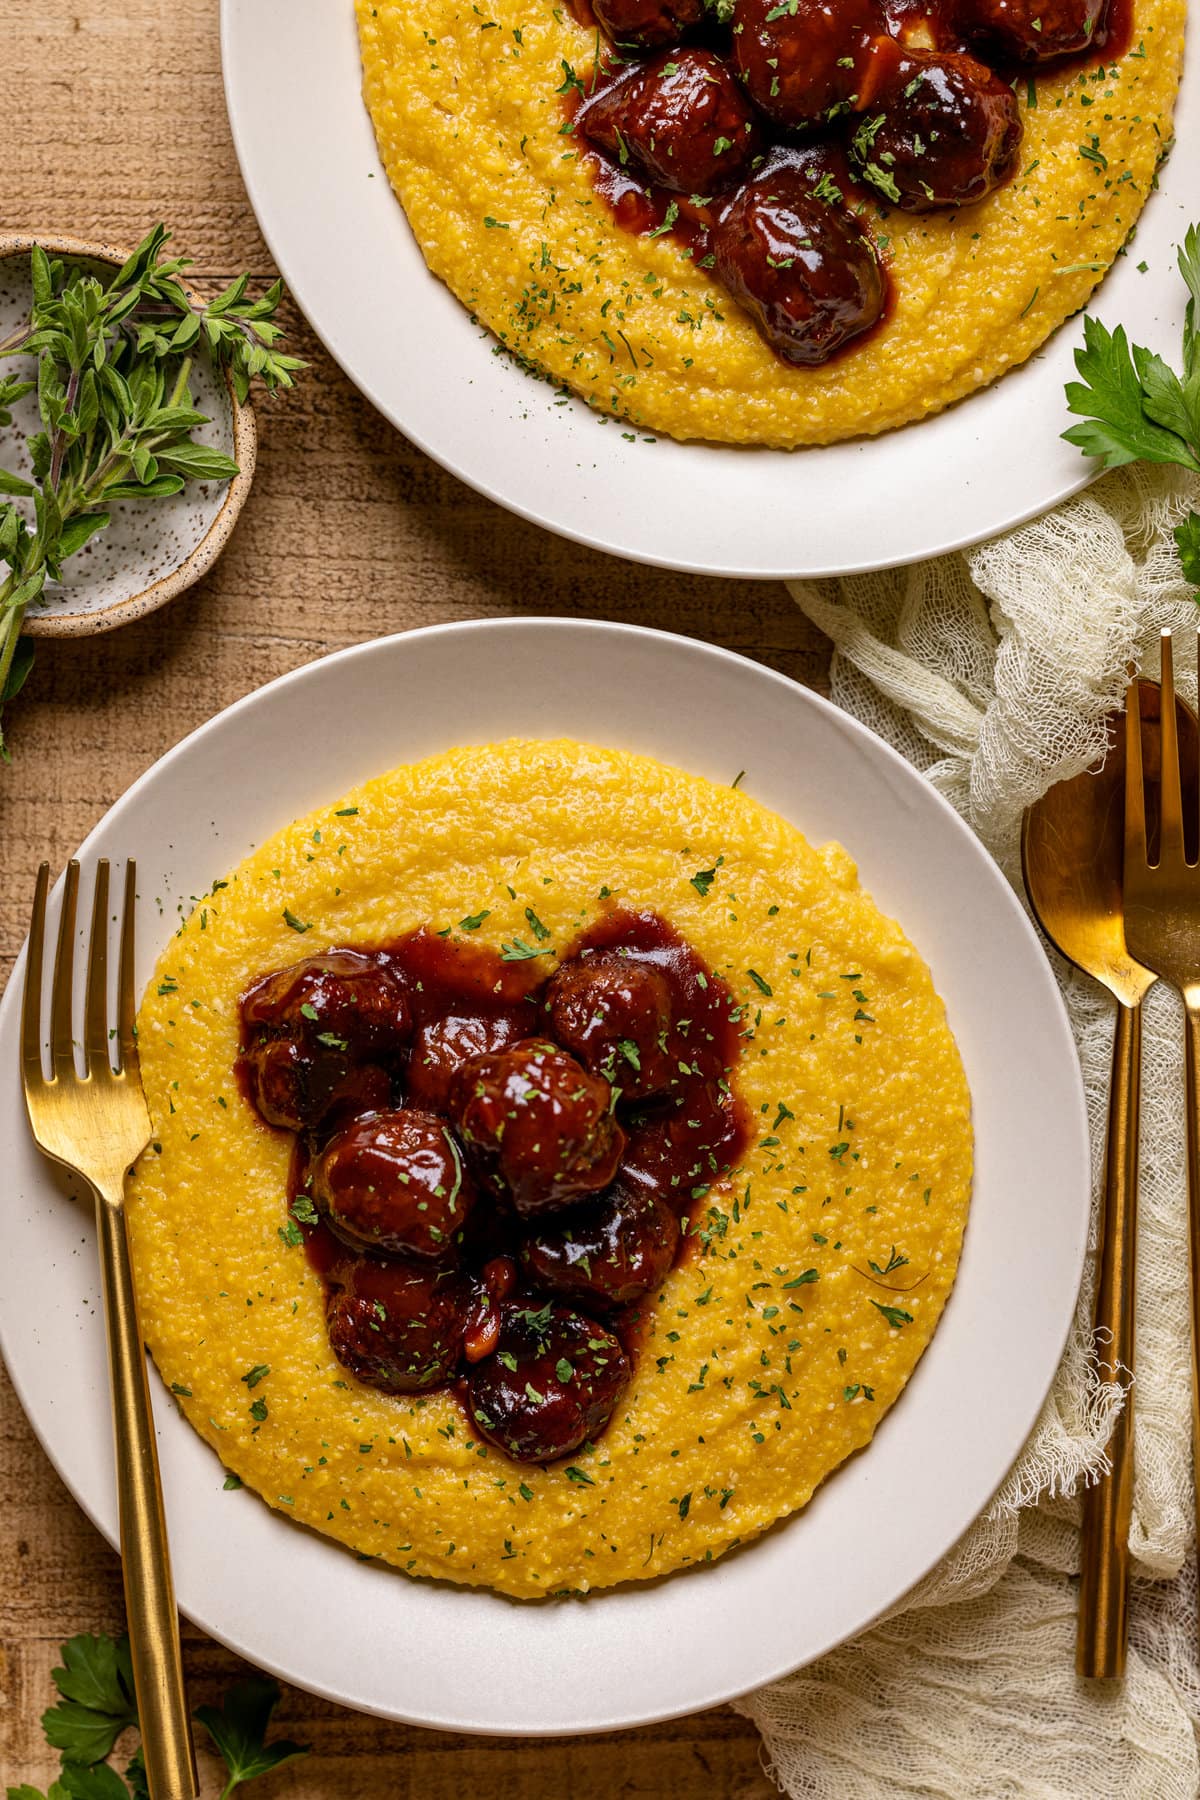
(360, 1632)
(340, 237)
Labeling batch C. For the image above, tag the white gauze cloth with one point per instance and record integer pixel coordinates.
(993, 671)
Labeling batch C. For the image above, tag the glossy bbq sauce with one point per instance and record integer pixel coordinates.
(645, 208)
(466, 999)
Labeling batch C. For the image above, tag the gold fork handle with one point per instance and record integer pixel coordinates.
(1102, 1627)
(145, 1563)
(1191, 1001)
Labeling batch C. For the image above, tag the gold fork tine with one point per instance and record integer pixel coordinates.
(95, 1028)
(126, 996)
(62, 1055)
(1171, 800)
(31, 999)
(1135, 790)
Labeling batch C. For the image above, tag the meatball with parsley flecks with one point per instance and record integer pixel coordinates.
(394, 1182)
(801, 60)
(614, 1013)
(802, 266)
(682, 119)
(551, 1384)
(647, 24)
(318, 1034)
(608, 1252)
(538, 1127)
(396, 1325)
(938, 129)
(1032, 31)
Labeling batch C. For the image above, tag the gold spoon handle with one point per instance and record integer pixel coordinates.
(1102, 1627)
(145, 1561)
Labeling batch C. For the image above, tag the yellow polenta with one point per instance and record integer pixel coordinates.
(467, 117)
(770, 1356)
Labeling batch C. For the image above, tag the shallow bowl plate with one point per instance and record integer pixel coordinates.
(362, 1633)
(340, 237)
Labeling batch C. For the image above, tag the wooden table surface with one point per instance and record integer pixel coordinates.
(113, 119)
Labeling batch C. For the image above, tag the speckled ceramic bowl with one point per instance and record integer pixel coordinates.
(153, 549)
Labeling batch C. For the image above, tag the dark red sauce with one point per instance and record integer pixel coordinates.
(664, 1074)
(645, 208)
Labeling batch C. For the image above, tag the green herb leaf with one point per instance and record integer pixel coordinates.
(1111, 400)
(894, 1315)
(97, 1704)
(520, 951)
(1187, 540)
(96, 1783)
(113, 360)
(239, 1731)
(295, 923)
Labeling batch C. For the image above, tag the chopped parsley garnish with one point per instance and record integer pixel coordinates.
(295, 923)
(520, 951)
(703, 879)
(893, 1314)
(540, 931)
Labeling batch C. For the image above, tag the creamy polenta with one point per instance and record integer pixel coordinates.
(466, 105)
(815, 1274)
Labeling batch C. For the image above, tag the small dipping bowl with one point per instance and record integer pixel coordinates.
(153, 549)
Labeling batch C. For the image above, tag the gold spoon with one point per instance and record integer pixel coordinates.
(1072, 847)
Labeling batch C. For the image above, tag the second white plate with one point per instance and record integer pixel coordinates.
(340, 237)
(366, 1635)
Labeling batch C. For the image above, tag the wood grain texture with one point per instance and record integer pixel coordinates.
(114, 118)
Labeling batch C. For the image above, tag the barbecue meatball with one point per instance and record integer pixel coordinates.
(801, 60)
(310, 1031)
(682, 119)
(679, 1150)
(537, 1127)
(442, 1045)
(396, 1325)
(938, 129)
(394, 1182)
(1030, 30)
(647, 24)
(551, 1385)
(614, 1013)
(607, 1252)
(803, 268)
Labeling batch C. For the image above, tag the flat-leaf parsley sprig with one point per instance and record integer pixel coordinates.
(96, 1706)
(1134, 406)
(112, 378)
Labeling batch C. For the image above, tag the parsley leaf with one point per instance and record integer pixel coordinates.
(97, 1704)
(1187, 541)
(239, 1731)
(895, 1315)
(97, 1783)
(520, 951)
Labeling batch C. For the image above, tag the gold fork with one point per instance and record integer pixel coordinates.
(1162, 929)
(97, 1126)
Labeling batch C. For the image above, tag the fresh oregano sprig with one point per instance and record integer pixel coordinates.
(1134, 406)
(113, 373)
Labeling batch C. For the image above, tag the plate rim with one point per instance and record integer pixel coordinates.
(1055, 1016)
